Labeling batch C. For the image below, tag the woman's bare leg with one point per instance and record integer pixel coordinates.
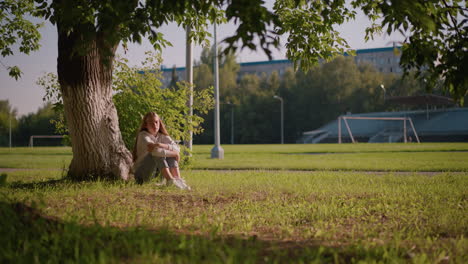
(175, 172)
(166, 173)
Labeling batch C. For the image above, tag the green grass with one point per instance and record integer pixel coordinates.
(375, 157)
(380, 161)
(337, 148)
(246, 216)
(35, 158)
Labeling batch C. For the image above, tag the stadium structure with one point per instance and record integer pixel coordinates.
(436, 125)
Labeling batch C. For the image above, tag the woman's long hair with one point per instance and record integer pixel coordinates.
(162, 130)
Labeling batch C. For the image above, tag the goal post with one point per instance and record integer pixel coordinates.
(31, 138)
(404, 119)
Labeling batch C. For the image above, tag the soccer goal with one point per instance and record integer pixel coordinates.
(403, 119)
(31, 139)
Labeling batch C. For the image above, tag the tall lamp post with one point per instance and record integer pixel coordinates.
(384, 91)
(217, 152)
(282, 118)
(11, 113)
(189, 79)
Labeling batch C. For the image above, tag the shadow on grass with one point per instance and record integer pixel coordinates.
(54, 183)
(38, 153)
(37, 185)
(28, 236)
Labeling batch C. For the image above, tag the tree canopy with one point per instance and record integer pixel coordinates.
(436, 30)
(436, 43)
(16, 28)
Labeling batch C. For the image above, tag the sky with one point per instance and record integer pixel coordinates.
(26, 96)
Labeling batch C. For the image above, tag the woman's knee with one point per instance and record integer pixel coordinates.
(160, 162)
(172, 163)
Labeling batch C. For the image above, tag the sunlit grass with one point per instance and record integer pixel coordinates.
(375, 157)
(381, 161)
(334, 148)
(422, 214)
(35, 158)
(370, 203)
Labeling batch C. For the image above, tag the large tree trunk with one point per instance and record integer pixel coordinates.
(85, 77)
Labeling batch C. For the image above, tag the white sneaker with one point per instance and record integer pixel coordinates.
(177, 183)
(185, 184)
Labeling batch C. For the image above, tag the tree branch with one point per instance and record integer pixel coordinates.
(453, 19)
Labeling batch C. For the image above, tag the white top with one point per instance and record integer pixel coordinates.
(144, 138)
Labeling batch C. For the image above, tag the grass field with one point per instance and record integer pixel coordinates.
(389, 203)
(372, 157)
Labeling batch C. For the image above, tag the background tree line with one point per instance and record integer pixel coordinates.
(311, 99)
(22, 128)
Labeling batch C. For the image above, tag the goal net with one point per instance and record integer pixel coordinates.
(406, 130)
(47, 140)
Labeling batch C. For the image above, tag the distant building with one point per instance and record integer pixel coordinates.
(259, 67)
(385, 60)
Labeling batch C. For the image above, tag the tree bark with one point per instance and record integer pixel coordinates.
(85, 77)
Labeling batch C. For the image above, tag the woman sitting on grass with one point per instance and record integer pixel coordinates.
(154, 148)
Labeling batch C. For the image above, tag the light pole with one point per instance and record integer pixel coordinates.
(189, 79)
(282, 118)
(11, 113)
(217, 152)
(384, 91)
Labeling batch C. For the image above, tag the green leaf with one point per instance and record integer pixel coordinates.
(15, 72)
